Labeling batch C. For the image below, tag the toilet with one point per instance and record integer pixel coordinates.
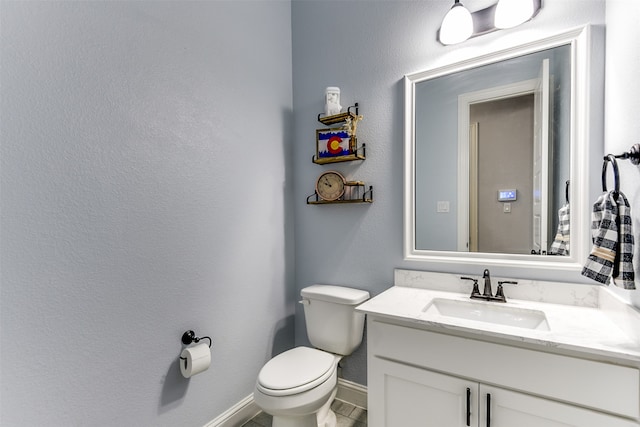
(297, 387)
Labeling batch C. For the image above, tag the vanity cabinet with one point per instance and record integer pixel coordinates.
(509, 408)
(401, 395)
(420, 378)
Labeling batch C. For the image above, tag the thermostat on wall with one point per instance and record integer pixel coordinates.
(507, 195)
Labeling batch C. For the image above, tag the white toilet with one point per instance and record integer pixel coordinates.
(297, 387)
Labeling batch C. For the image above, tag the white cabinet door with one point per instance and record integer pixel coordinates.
(503, 408)
(404, 396)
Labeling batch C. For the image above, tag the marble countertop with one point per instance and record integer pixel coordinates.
(599, 324)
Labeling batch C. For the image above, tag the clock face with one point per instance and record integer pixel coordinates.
(330, 186)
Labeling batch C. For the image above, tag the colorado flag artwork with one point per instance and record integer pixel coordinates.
(332, 143)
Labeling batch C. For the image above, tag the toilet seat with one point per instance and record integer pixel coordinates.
(296, 371)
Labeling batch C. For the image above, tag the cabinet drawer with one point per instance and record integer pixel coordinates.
(598, 385)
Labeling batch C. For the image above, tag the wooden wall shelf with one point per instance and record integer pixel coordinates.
(339, 118)
(360, 154)
(366, 197)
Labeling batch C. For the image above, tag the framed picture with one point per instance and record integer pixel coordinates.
(332, 143)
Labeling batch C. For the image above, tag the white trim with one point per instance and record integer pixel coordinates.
(246, 409)
(237, 415)
(352, 393)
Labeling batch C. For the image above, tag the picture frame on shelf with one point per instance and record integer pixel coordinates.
(332, 143)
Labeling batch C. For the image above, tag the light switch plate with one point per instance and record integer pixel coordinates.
(442, 206)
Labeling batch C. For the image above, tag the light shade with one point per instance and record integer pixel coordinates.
(457, 25)
(510, 13)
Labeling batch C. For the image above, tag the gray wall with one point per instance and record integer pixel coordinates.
(365, 48)
(145, 191)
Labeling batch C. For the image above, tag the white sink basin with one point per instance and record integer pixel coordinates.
(489, 313)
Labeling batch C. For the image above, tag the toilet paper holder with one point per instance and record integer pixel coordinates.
(190, 337)
(194, 359)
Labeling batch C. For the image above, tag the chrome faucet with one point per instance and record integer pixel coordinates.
(487, 294)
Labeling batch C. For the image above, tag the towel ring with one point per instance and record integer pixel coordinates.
(616, 175)
(566, 190)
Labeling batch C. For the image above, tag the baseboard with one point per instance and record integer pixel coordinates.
(353, 393)
(246, 409)
(237, 415)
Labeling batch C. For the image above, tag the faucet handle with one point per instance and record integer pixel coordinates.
(500, 291)
(507, 282)
(476, 290)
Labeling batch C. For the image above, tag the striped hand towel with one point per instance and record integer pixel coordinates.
(560, 245)
(612, 253)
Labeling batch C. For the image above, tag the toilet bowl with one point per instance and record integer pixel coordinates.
(298, 386)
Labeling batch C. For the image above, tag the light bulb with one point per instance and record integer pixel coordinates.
(510, 13)
(457, 25)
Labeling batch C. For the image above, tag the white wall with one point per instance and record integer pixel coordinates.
(145, 191)
(365, 48)
(622, 102)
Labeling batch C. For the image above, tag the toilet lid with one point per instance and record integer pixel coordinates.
(295, 368)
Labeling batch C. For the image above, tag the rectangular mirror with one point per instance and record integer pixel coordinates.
(496, 152)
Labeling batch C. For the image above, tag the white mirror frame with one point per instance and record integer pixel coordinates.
(580, 41)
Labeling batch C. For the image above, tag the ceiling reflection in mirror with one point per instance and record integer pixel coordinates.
(492, 157)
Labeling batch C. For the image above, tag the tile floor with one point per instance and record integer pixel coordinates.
(347, 414)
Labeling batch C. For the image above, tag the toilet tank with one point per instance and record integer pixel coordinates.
(332, 323)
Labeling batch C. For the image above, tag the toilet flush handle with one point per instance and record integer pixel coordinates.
(304, 302)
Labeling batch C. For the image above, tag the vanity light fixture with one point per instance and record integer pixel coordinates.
(459, 24)
(511, 13)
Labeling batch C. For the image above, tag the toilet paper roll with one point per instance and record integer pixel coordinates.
(195, 359)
